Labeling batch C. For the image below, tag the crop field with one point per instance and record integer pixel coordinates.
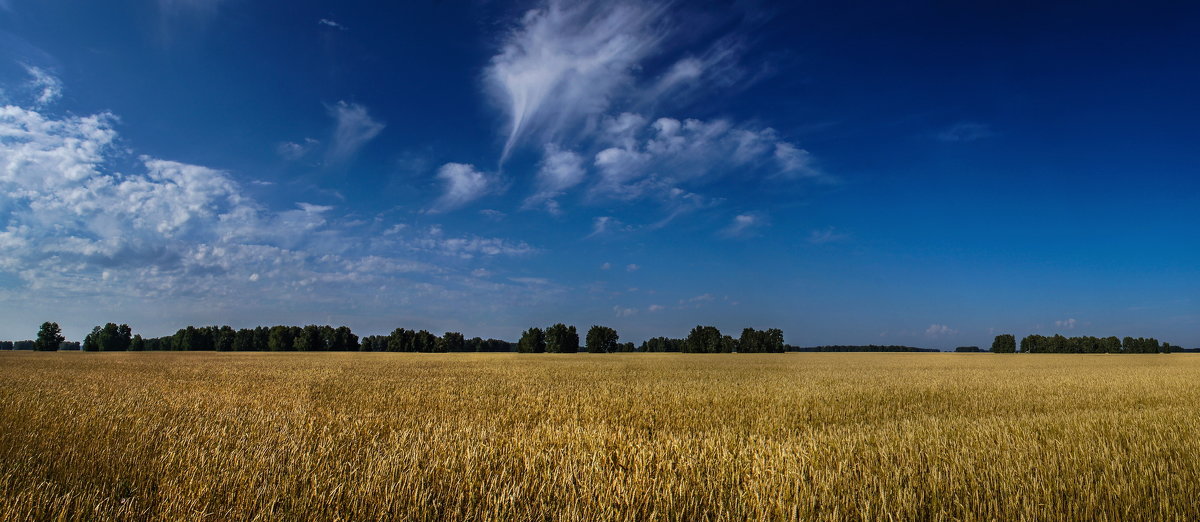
(366, 436)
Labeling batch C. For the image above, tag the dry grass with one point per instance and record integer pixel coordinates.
(170, 436)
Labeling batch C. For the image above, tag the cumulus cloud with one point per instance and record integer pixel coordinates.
(632, 267)
(645, 158)
(939, 330)
(79, 229)
(46, 87)
(564, 62)
(462, 185)
(559, 171)
(697, 302)
(292, 151)
(655, 308)
(744, 224)
(1068, 324)
(434, 239)
(621, 311)
(354, 127)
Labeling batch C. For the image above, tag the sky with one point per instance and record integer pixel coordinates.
(926, 174)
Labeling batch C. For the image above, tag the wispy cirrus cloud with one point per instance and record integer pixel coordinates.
(353, 128)
(46, 87)
(565, 62)
(330, 23)
(292, 151)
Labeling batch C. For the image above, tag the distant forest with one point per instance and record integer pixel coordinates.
(559, 338)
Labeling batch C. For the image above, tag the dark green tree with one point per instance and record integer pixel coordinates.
(1004, 343)
(452, 342)
(280, 339)
(49, 337)
(309, 340)
(704, 339)
(561, 338)
(532, 340)
(602, 339)
(223, 339)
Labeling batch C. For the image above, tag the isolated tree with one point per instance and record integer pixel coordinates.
(602, 339)
(49, 337)
(1004, 343)
(532, 340)
(561, 338)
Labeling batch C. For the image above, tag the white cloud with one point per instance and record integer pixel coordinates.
(165, 242)
(697, 301)
(939, 330)
(620, 311)
(559, 171)
(717, 66)
(655, 308)
(794, 162)
(46, 87)
(1068, 324)
(330, 23)
(492, 214)
(291, 151)
(744, 224)
(631, 267)
(648, 159)
(602, 225)
(435, 240)
(354, 128)
(564, 63)
(606, 266)
(462, 184)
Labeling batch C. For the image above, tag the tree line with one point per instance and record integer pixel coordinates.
(1007, 343)
(558, 338)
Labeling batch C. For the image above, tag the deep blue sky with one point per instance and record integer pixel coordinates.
(871, 174)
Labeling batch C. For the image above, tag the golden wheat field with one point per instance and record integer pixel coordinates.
(367, 436)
